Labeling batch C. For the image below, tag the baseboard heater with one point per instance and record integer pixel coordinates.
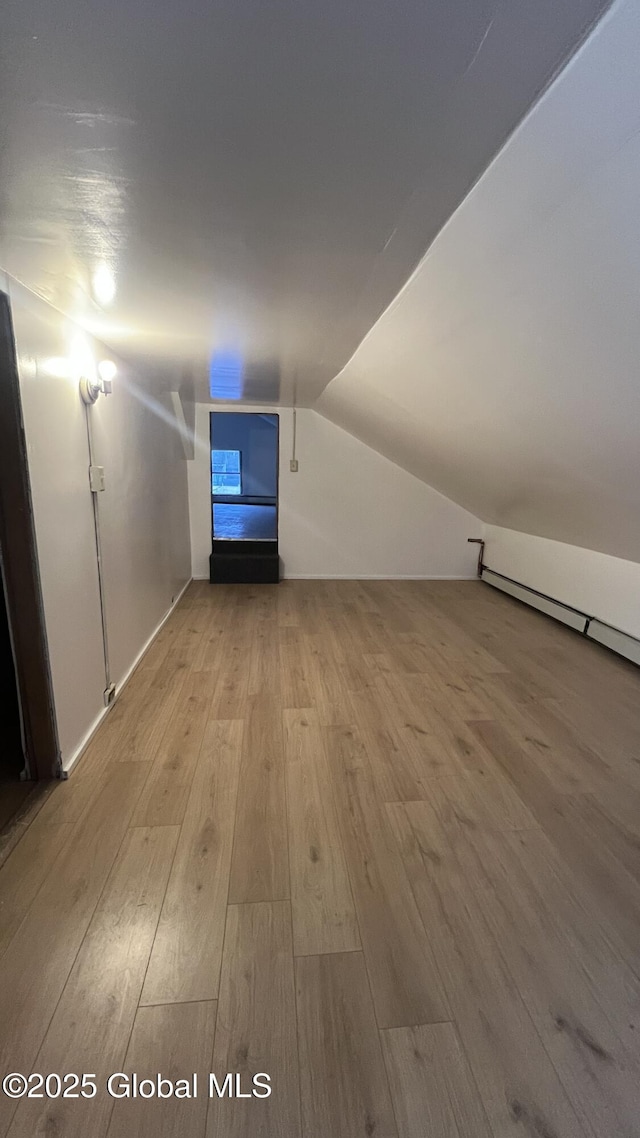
(590, 626)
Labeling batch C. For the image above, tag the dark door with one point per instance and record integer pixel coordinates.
(29, 743)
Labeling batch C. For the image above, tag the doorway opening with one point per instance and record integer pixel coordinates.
(29, 744)
(13, 788)
(244, 476)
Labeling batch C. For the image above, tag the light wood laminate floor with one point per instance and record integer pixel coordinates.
(379, 840)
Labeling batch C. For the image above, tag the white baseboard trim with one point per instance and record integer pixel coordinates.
(370, 577)
(377, 577)
(68, 764)
(128, 674)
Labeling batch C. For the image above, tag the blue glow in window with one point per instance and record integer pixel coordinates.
(226, 474)
(226, 375)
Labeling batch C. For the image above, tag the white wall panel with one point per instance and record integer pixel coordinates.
(348, 512)
(143, 511)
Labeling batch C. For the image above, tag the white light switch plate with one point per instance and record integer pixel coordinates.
(96, 479)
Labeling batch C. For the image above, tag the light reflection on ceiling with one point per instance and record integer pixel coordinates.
(226, 375)
(186, 177)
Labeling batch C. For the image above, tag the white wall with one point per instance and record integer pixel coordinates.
(506, 372)
(143, 512)
(348, 512)
(599, 585)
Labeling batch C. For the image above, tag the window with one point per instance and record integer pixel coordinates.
(226, 476)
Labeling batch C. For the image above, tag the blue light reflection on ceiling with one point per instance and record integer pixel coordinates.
(226, 374)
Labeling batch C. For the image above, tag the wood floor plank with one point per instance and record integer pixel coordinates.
(92, 1022)
(525, 723)
(13, 795)
(330, 697)
(104, 748)
(344, 1090)
(599, 1072)
(468, 829)
(453, 645)
(615, 892)
(288, 605)
(256, 1027)
(296, 686)
(232, 679)
(406, 985)
(70, 798)
(397, 777)
(614, 739)
(164, 798)
(222, 616)
(39, 958)
(441, 737)
(520, 1089)
(483, 799)
(141, 735)
(433, 1090)
(176, 1041)
(263, 671)
(324, 918)
(541, 872)
(11, 835)
(260, 863)
(187, 951)
(167, 636)
(22, 875)
(616, 830)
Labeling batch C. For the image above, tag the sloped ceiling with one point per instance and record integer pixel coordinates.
(252, 179)
(507, 371)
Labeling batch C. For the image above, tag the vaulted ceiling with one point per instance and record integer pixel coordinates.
(507, 371)
(252, 180)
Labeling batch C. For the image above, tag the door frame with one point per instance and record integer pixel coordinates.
(228, 411)
(20, 571)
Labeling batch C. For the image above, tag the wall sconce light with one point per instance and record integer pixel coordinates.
(90, 389)
(107, 371)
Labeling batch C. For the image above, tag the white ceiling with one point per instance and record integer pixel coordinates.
(507, 372)
(256, 179)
